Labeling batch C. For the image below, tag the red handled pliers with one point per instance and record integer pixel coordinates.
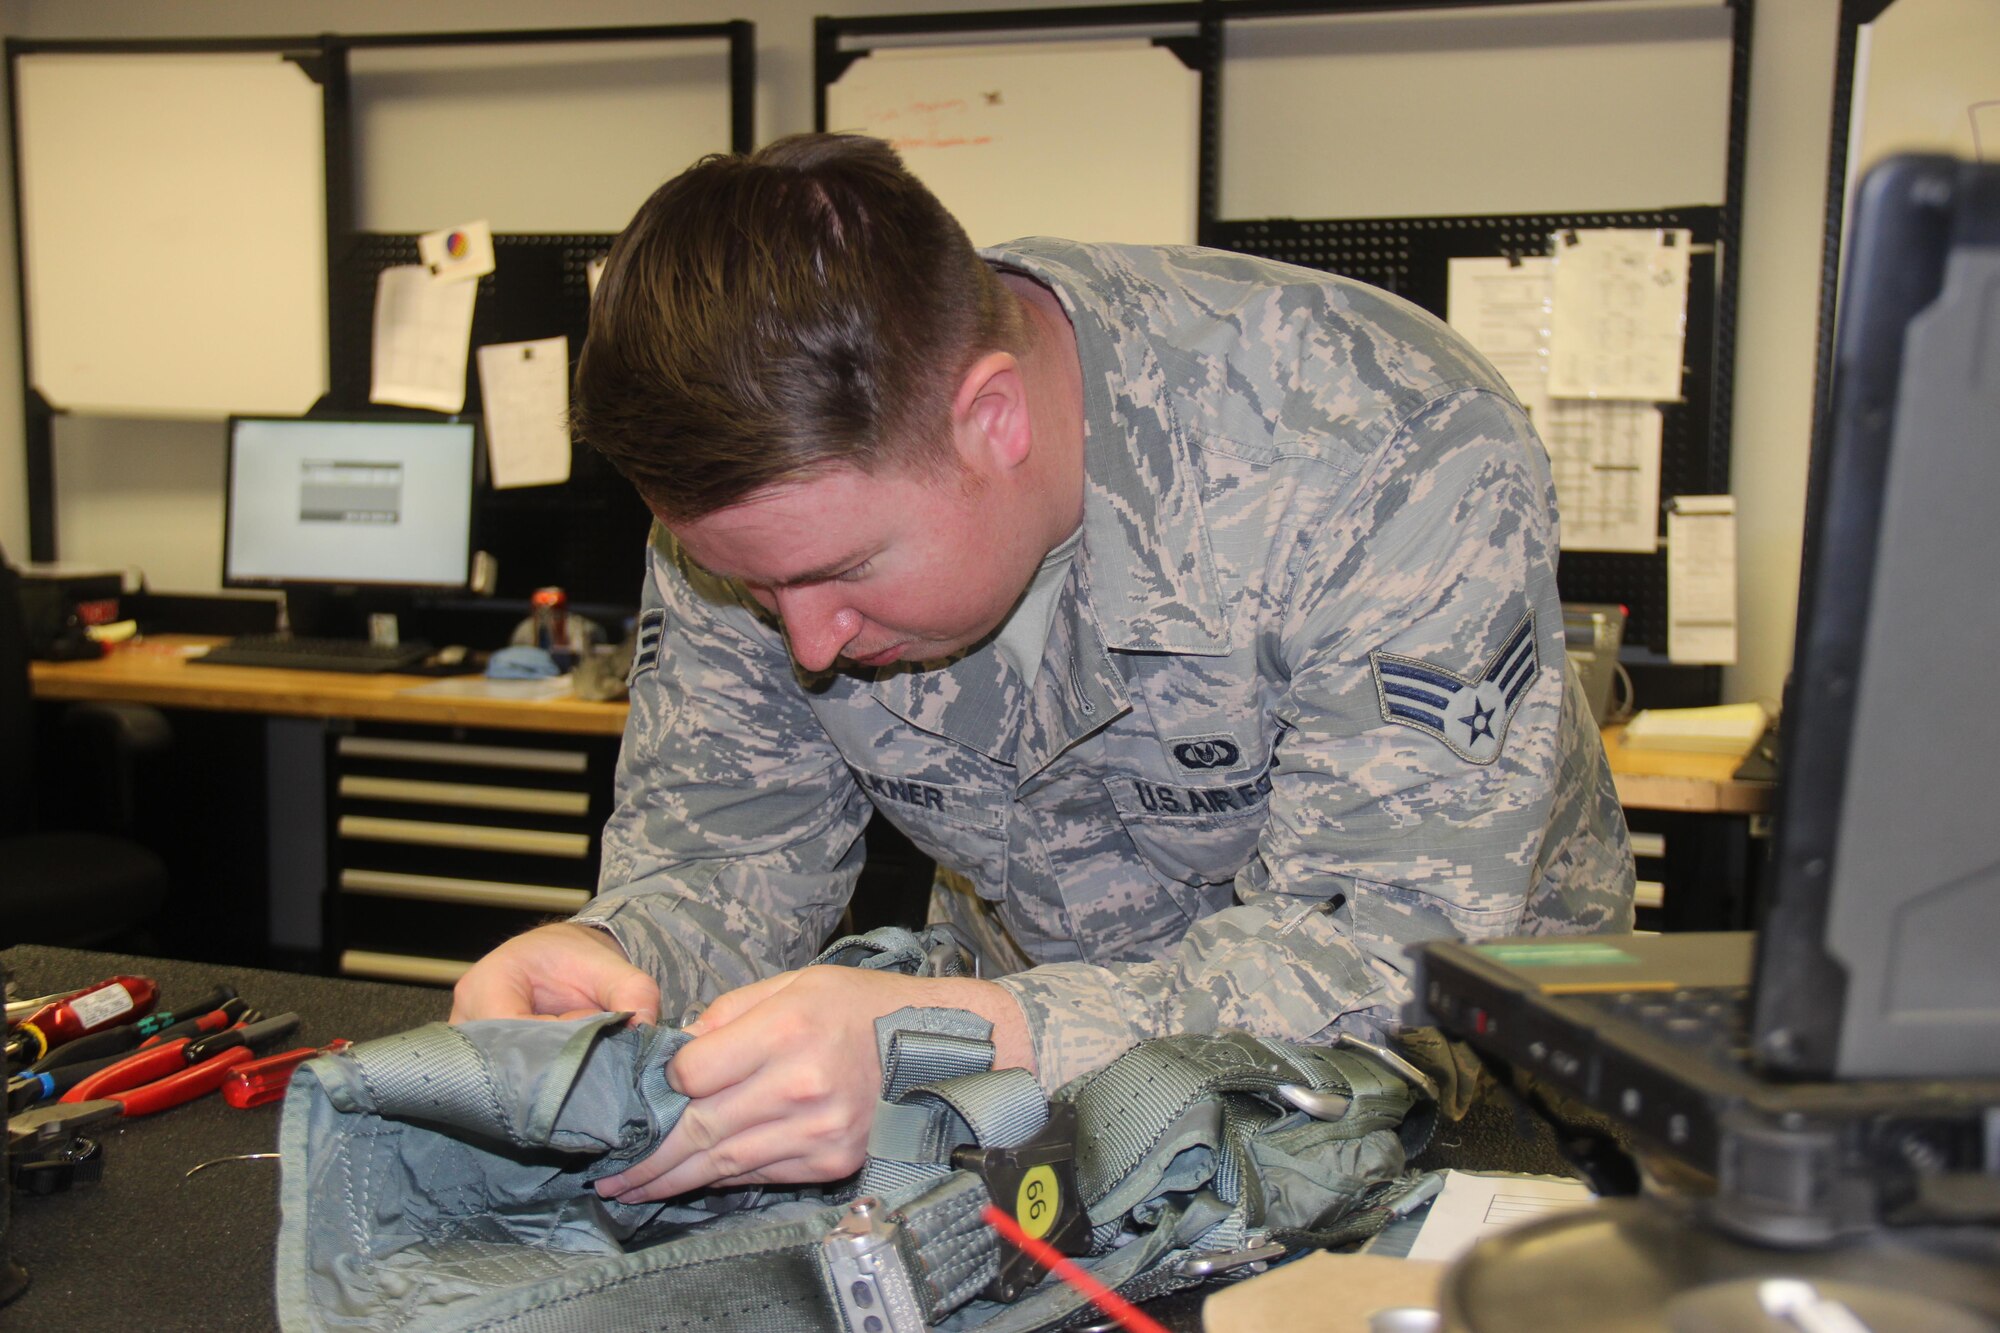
(179, 1070)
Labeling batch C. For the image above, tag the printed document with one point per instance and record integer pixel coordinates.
(524, 388)
(1619, 319)
(1606, 458)
(1502, 308)
(1472, 1207)
(423, 329)
(1701, 579)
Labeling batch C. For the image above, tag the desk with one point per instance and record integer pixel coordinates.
(1692, 830)
(156, 671)
(1686, 808)
(369, 812)
(148, 1248)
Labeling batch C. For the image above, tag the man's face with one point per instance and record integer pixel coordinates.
(865, 571)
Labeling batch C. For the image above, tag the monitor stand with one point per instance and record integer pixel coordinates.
(312, 611)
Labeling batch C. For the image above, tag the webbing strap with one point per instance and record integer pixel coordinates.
(763, 1279)
(1160, 1098)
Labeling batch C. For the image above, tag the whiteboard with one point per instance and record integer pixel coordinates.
(173, 232)
(1094, 141)
(546, 137)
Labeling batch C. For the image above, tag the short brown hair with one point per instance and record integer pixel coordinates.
(770, 315)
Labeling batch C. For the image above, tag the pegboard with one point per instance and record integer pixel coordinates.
(588, 534)
(1408, 256)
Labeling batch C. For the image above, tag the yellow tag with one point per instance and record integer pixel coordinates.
(1038, 1201)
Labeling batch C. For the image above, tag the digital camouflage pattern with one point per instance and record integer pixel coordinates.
(1211, 808)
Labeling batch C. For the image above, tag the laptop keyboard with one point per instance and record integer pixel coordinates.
(298, 654)
(1712, 1020)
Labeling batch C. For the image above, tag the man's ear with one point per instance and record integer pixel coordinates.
(989, 413)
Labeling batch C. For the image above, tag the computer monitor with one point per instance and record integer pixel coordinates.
(349, 502)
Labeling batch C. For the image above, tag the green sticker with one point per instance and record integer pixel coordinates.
(1556, 953)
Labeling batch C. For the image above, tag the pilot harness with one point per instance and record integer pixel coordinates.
(442, 1178)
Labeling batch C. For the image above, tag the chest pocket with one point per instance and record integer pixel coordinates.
(1197, 834)
(961, 827)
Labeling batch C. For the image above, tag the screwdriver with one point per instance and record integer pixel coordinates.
(265, 1079)
(118, 999)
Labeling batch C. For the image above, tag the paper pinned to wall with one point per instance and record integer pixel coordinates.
(1619, 320)
(1502, 308)
(1606, 459)
(1701, 579)
(524, 388)
(593, 273)
(423, 330)
(457, 254)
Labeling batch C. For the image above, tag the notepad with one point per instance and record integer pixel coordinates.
(1724, 729)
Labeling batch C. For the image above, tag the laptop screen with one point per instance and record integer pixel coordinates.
(1876, 957)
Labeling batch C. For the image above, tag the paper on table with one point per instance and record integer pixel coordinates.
(1701, 579)
(459, 253)
(480, 687)
(1502, 308)
(1606, 457)
(422, 330)
(524, 388)
(1619, 314)
(1472, 1207)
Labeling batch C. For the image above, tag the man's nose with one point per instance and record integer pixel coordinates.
(818, 625)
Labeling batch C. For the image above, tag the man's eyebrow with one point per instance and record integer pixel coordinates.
(821, 573)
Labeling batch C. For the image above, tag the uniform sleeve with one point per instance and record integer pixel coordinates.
(1425, 599)
(734, 842)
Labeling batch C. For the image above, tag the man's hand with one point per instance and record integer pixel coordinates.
(784, 1075)
(558, 971)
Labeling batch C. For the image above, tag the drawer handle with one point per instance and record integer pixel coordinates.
(472, 837)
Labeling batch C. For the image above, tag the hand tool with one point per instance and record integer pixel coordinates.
(120, 999)
(180, 1070)
(265, 1079)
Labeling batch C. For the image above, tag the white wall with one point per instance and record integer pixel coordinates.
(134, 493)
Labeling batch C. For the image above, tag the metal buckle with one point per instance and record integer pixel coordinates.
(1408, 1072)
(870, 1283)
(1256, 1258)
(1319, 1103)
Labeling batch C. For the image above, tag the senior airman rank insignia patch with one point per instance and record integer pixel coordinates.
(1469, 714)
(646, 648)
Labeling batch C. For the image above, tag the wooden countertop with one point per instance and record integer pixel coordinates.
(156, 670)
(1680, 780)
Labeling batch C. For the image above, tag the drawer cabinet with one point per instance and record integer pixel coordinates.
(442, 842)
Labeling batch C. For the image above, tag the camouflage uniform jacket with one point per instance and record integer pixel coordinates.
(1303, 700)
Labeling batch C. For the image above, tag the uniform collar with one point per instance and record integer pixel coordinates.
(1145, 557)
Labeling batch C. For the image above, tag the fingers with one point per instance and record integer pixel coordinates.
(560, 970)
(762, 1037)
(629, 988)
(731, 1141)
(732, 1005)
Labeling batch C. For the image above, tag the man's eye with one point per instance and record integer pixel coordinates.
(854, 573)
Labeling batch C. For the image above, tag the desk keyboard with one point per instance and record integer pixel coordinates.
(297, 654)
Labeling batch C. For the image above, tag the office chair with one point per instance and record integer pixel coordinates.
(85, 886)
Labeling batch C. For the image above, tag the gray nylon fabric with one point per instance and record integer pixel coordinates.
(441, 1178)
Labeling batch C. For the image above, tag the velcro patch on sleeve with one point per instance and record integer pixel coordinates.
(1468, 713)
(646, 647)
